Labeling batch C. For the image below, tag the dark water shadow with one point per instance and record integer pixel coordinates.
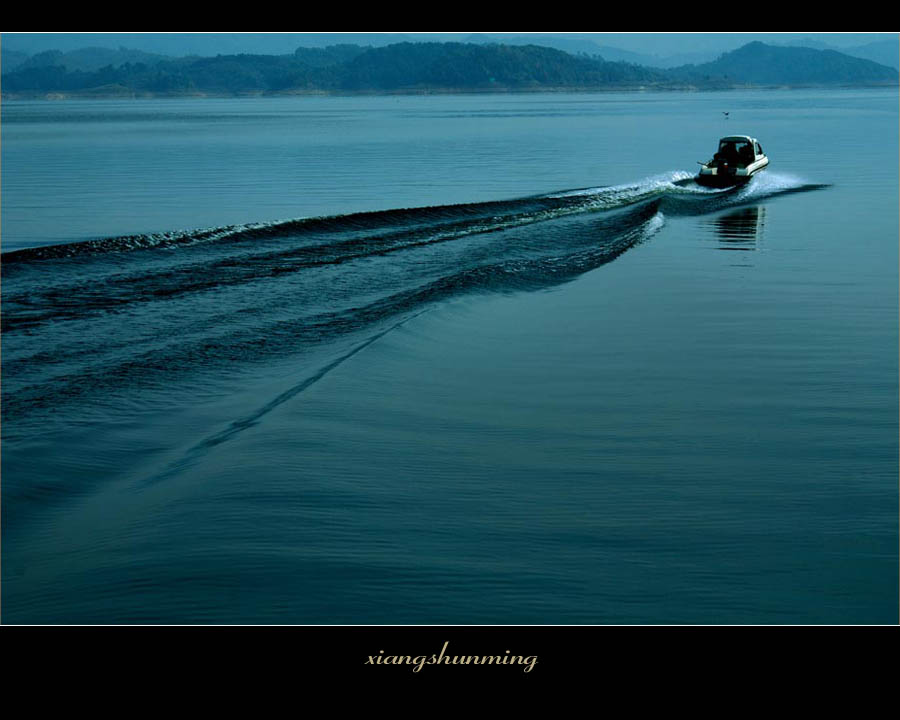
(741, 229)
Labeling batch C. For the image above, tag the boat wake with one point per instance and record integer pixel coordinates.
(98, 320)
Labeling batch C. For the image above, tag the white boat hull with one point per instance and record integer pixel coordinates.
(726, 176)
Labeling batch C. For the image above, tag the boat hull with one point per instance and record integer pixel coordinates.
(712, 177)
(721, 181)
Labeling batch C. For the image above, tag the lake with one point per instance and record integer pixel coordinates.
(450, 359)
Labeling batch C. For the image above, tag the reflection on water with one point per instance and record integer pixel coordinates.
(741, 229)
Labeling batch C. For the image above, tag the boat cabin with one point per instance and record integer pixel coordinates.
(737, 150)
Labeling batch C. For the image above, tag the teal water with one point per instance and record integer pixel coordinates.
(524, 372)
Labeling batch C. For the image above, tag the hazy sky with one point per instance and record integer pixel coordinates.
(278, 43)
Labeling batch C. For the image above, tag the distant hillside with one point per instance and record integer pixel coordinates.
(419, 67)
(759, 64)
(88, 59)
(884, 52)
(11, 59)
(582, 46)
(178, 44)
(571, 45)
(343, 68)
(467, 66)
(327, 56)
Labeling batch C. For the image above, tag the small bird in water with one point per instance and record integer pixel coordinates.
(725, 114)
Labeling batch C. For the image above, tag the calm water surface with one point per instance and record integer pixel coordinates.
(453, 359)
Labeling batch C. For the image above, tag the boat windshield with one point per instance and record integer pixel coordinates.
(736, 151)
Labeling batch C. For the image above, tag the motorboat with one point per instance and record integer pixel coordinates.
(738, 159)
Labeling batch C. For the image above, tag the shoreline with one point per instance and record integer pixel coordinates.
(125, 94)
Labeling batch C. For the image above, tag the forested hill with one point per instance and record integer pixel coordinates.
(464, 65)
(759, 64)
(343, 68)
(419, 67)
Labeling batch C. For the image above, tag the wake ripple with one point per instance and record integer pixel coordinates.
(97, 320)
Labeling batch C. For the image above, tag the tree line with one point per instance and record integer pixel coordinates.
(432, 66)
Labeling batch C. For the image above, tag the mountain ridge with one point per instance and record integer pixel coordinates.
(424, 67)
